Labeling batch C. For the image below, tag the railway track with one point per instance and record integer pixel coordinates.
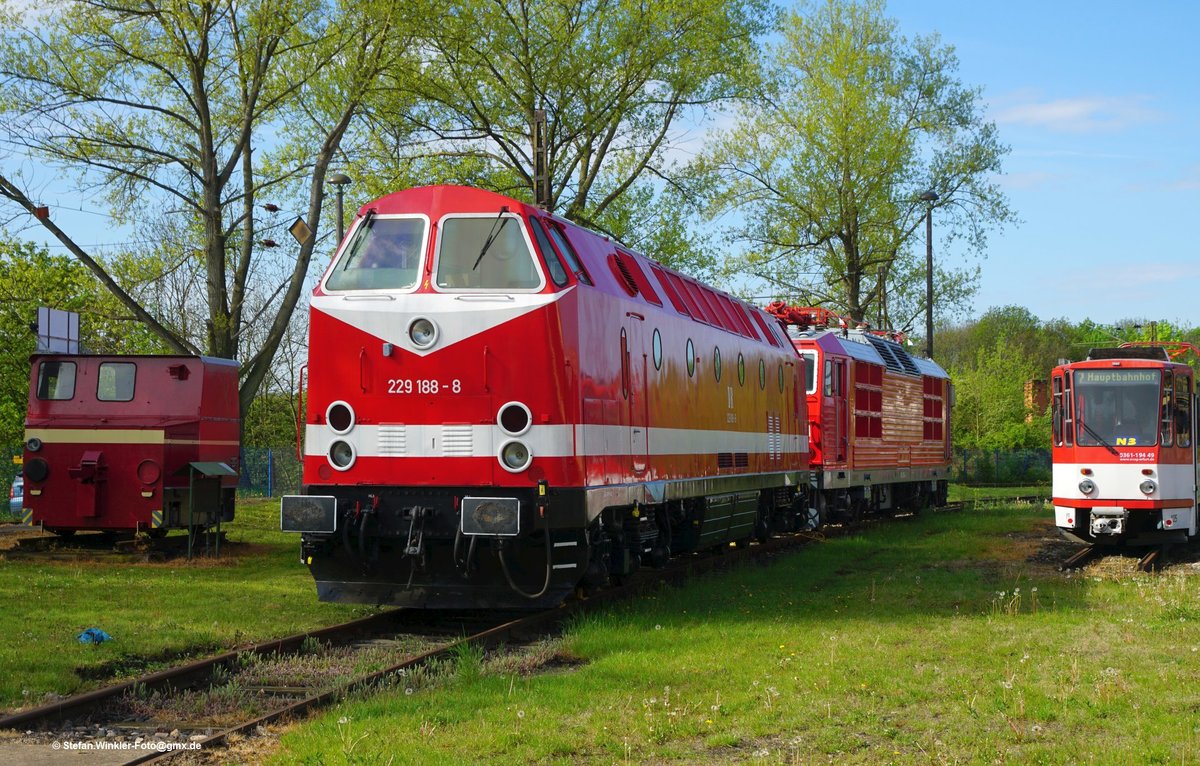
(397, 644)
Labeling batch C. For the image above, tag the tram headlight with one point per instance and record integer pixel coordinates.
(341, 455)
(1087, 486)
(515, 456)
(422, 332)
(1147, 487)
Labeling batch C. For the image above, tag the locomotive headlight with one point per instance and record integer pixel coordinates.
(1147, 487)
(34, 444)
(422, 332)
(340, 417)
(341, 455)
(514, 418)
(1087, 486)
(515, 456)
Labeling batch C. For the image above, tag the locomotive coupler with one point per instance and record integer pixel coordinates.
(416, 532)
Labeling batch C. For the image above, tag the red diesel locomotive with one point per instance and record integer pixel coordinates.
(879, 418)
(502, 406)
(130, 443)
(1124, 453)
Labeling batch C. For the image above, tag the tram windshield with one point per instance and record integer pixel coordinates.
(385, 254)
(1117, 408)
(485, 253)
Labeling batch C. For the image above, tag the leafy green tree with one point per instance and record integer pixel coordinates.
(182, 111)
(824, 171)
(1042, 344)
(989, 408)
(616, 78)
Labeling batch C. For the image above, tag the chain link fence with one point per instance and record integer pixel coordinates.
(1001, 467)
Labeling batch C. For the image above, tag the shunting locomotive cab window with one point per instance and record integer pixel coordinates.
(1117, 408)
(56, 381)
(485, 253)
(385, 254)
(115, 383)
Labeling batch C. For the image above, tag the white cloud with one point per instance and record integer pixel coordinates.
(1190, 181)
(1086, 114)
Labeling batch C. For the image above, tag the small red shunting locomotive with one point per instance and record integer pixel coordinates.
(120, 443)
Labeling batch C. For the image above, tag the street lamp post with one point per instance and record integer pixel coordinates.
(339, 181)
(929, 197)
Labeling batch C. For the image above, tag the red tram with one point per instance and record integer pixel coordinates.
(502, 406)
(111, 442)
(1123, 447)
(879, 418)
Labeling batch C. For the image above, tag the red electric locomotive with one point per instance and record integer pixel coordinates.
(130, 443)
(1124, 455)
(879, 418)
(502, 406)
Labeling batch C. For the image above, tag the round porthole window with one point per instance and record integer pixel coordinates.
(691, 358)
(762, 375)
(741, 370)
(657, 341)
(717, 363)
(781, 378)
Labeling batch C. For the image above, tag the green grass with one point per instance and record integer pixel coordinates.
(924, 641)
(961, 492)
(155, 612)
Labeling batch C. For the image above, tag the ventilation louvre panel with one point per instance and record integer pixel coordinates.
(895, 358)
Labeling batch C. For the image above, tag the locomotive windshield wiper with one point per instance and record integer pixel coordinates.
(1098, 438)
(360, 239)
(495, 232)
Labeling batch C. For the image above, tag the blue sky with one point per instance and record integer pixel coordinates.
(1100, 104)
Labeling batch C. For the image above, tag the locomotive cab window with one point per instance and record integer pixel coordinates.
(569, 255)
(558, 274)
(115, 382)
(385, 254)
(488, 252)
(56, 381)
(810, 372)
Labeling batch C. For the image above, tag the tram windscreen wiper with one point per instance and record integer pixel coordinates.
(495, 232)
(1098, 438)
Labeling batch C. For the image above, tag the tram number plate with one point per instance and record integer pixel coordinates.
(423, 386)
